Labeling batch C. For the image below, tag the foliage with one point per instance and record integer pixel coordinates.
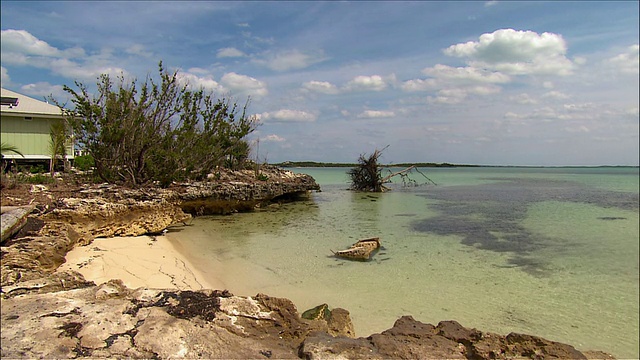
(158, 130)
(59, 134)
(367, 175)
(38, 179)
(4, 147)
(83, 162)
(35, 169)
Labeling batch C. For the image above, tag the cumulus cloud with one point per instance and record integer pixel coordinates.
(555, 95)
(230, 52)
(14, 42)
(321, 87)
(196, 82)
(4, 79)
(419, 85)
(627, 62)
(369, 114)
(19, 47)
(366, 83)
(465, 74)
(448, 96)
(244, 84)
(516, 52)
(44, 89)
(273, 138)
(138, 50)
(290, 60)
(524, 99)
(287, 115)
(89, 70)
(22, 41)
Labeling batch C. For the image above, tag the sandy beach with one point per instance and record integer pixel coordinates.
(140, 261)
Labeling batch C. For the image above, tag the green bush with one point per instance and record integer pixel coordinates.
(157, 130)
(37, 169)
(84, 162)
(39, 179)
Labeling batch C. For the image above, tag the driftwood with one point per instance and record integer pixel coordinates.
(361, 250)
(13, 219)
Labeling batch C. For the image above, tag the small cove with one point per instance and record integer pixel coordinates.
(550, 252)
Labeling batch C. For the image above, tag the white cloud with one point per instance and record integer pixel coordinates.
(579, 107)
(321, 87)
(44, 89)
(290, 60)
(483, 90)
(376, 114)
(516, 52)
(4, 79)
(579, 60)
(244, 84)
(89, 70)
(448, 96)
(23, 42)
(139, 50)
(196, 82)
(287, 115)
(230, 52)
(490, 3)
(524, 99)
(465, 74)
(419, 85)
(627, 62)
(19, 47)
(366, 83)
(273, 138)
(555, 95)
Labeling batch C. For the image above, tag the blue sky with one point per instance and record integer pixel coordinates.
(496, 83)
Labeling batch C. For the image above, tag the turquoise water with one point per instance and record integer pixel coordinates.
(551, 252)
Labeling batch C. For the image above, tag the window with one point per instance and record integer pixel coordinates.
(10, 101)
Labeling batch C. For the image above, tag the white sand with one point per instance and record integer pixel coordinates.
(140, 261)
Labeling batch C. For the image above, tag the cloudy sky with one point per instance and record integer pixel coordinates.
(496, 83)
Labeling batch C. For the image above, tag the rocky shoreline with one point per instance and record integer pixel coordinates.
(59, 314)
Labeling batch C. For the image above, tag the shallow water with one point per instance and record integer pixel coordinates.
(550, 252)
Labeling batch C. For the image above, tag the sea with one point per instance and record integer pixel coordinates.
(552, 252)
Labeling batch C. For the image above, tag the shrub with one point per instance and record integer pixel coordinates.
(83, 162)
(158, 131)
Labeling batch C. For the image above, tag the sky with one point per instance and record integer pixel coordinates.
(493, 83)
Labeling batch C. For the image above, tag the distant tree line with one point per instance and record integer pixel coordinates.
(158, 130)
(349, 165)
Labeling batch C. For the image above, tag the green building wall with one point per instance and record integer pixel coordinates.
(30, 135)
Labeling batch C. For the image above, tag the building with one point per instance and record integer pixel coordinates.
(26, 124)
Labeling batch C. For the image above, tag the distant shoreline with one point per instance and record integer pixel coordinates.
(292, 164)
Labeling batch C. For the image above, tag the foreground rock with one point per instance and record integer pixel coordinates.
(111, 320)
(13, 219)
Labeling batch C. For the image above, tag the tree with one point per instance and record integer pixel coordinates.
(367, 175)
(157, 130)
(57, 143)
